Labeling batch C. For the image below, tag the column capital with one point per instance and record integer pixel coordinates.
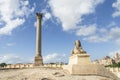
(39, 15)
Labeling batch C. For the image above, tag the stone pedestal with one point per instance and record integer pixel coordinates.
(79, 59)
(38, 61)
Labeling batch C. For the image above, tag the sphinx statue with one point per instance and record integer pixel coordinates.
(78, 48)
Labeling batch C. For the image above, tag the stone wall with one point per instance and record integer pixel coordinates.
(114, 69)
(20, 66)
(53, 65)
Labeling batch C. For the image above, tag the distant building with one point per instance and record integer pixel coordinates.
(105, 61)
(117, 57)
(108, 60)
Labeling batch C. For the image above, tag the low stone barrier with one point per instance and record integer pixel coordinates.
(114, 69)
(21, 66)
(18, 66)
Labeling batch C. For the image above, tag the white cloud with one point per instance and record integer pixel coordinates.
(118, 41)
(95, 38)
(71, 12)
(55, 57)
(103, 30)
(115, 33)
(12, 58)
(105, 35)
(13, 14)
(35, 23)
(86, 30)
(47, 15)
(112, 24)
(116, 5)
(7, 30)
(10, 44)
(111, 54)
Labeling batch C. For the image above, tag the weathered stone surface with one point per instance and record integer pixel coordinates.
(79, 59)
(38, 61)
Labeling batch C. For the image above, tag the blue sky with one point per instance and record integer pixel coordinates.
(94, 22)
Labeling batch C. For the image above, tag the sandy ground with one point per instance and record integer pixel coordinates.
(42, 74)
(117, 74)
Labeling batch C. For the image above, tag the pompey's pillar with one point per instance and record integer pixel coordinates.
(38, 57)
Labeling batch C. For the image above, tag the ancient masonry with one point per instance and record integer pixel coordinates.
(38, 57)
(80, 64)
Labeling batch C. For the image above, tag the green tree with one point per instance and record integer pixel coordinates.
(114, 65)
(3, 65)
(118, 64)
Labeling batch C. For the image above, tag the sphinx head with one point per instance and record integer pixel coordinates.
(77, 44)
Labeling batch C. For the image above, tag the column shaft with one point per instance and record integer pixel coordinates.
(38, 35)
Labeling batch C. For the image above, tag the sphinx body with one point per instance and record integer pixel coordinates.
(78, 48)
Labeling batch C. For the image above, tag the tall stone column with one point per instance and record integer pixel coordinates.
(38, 57)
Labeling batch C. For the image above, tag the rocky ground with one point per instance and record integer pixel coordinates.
(42, 74)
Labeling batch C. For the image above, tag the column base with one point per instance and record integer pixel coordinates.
(38, 61)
